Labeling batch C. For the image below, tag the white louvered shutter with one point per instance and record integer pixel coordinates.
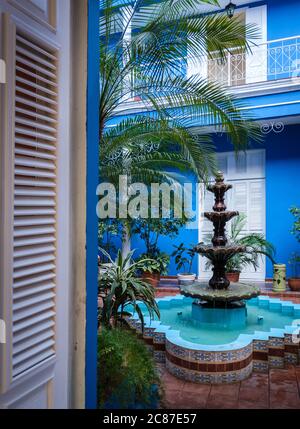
(34, 205)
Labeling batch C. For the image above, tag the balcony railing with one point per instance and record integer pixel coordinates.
(273, 60)
(270, 61)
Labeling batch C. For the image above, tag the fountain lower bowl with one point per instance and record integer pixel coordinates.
(235, 292)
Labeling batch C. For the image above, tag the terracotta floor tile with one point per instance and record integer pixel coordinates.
(190, 400)
(251, 394)
(285, 385)
(171, 397)
(256, 380)
(172, 382)
(220, 403)
(282, 375)
(282, 400)
(196, 388)
(182, 400)
(285, 380)
(248, 405)
(230, 391)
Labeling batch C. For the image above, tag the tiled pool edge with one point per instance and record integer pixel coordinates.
(224, 363)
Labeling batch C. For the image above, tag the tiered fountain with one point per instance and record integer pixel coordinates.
(219, 293)
(213, 342)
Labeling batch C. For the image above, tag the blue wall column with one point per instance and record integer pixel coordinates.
(282, 192)
(93, 95)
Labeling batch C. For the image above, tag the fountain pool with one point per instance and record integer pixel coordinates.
(218, 352)
(262, 315)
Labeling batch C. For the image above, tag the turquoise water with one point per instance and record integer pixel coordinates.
(179, 317)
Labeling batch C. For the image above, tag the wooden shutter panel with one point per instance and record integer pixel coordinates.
(34, 255)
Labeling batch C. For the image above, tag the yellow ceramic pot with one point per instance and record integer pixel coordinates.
(279, 277)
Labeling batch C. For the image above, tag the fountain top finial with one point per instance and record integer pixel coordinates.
(219, 176)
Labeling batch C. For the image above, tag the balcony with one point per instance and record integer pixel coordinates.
(270, 61)
(270, 67)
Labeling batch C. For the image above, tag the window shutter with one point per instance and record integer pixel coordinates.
(34, 255)
(257, 60)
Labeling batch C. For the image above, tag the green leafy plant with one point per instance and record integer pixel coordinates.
(108, 230)
(145, 65)
(295, 257)
(184, 257)
(159, 263)
(255, 246)
(295, 211)
(150, 230)
(120, 289)
(126, 371)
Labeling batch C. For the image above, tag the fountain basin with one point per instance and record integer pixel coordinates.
(235, 292)
(216, 317)
(197, 353)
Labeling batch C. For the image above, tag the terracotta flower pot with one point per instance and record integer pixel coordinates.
(152, 278)
(294, 284)
(233, 277)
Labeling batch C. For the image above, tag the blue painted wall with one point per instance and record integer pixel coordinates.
(282, 191)
(92, 220)
(283, 18)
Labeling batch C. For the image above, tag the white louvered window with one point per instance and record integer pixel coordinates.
(34, 205)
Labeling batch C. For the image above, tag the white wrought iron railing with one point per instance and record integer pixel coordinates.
(273, 60)
(269, 61)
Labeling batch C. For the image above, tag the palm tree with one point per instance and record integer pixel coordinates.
(142, 47)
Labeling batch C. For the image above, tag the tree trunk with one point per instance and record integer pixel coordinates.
(126, 242)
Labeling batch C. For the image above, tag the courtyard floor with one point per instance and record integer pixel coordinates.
(278, 389)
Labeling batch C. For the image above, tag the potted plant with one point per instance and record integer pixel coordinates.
(155, 267)
(120, 288)
(184, 257)
(150, 230)
(255, 246)
(294, 282)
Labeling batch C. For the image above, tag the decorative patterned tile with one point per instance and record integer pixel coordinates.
(159, 337)
(276, 362)
(276, 342)
(291, 358)
(159, 357)
(260, 345)
(177, 350)
(259, 366)
(288, 339)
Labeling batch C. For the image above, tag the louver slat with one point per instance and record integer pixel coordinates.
(34, 275)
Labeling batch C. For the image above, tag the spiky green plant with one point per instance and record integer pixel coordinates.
(120, 289)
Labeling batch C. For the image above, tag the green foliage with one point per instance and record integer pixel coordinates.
(126, 370)
(107, 229)
(147, 67)
(120, 288)
(295, 257)
(158, 263)
(150, 230)
(255, 246)
(184, 257)
(295, 211)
